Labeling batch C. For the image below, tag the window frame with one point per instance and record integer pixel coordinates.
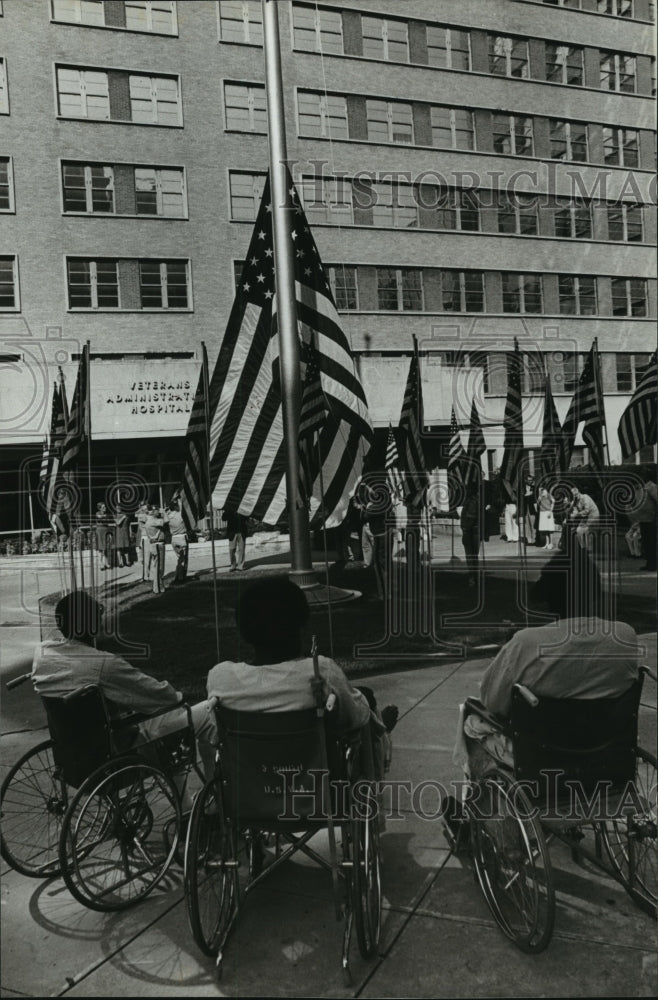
(11, 207)
(332, 271)
(16, 308)
(318, 30)
(81, 70)
(635, 370)
(569, 141)
(247, 24)
(617, 138)
(508, 56)
(328, 203)
(578, 294)
(454, 131)
(163, 263)
(158, 190)
(628, 297)
(563, 64)
(512, 133)
(390, 107)
(88, 188)
(155, 101)
(93, 283)
(448, 48)
(623, 208)
(513, 207)
(323, 115)
(385, 21)
(256, 177)
(522, 293)
(79, 20)
(572, 207)
(149, 18)
(400, 273)
(461, 287)
(615, 74)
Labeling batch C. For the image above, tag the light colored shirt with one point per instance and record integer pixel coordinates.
(585, 510)
(174, 519)
(573, 658)
(285, 687)
(63, 666)
(154, 528)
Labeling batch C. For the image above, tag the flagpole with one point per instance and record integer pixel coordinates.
(599, 398)
(302, 571)
(92, 580)
(206, 405)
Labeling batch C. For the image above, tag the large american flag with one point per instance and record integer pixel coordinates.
(196, 488)
(411, 420)
(246, 444)
(551, 431)
(587, 406)
(637, 426)
(312, 416)
(78, 424)
(510, 467)
(476, 447)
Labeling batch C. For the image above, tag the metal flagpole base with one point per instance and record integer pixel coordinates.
(319, 594)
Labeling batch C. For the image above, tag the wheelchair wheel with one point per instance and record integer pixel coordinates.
(33, 801)
(630, 840)
(366, 877)
(210, 871)
(116, 843)
(512, 862)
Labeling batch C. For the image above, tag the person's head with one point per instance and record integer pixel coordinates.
(570, 584)
(270, 616)
(575, 492)
(101, 508)
(172, 505)
(543, 491)
(78, 616)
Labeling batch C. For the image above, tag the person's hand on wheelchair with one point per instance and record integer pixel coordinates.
(323, 695)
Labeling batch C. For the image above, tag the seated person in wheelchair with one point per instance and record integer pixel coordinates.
(63, 666)
(271, 616)
(580, 655)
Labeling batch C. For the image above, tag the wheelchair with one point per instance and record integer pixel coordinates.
(281, 777)
(93, 806)
(576, 769)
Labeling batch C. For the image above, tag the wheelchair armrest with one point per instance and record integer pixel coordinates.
(473, 706)
(129, 718)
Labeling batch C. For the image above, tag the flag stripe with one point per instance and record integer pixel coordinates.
(638, 424)
(510, 467)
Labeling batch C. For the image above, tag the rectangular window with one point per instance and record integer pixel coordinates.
(565, 64)
(568, 140)
(399, 289)
(508, 56)
(448, 48)
(160, 191)
(462, 291)
(155, 100)
(394, 205)
(246, 107)
(517, 214)
(6, 185)
(618, 72)
(241, 21)
(344, 286)
(629, 370)
(577, 295)
(452, 128)
(573, 219)
(88, 187)
(625, 222)
(156, 16)
(512, 135)
(621, 146)
(522, 293)
(323, 115)
(454, 208)
(79, 11)
(618, 8)
(327, 200)
(317, 30)
(385, 39)
(83, 93)
(92, 284)
(389, 121)
(629, 297)
(163, 284)
(245, 191)
(9, 300)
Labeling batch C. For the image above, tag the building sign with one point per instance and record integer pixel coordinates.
(142, 398)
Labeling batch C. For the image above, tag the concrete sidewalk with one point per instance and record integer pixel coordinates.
(438, 939)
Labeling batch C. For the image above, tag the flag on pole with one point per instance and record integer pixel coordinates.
(77, 427)
(411, 421)
(456, 451)
(476, 448)
(246, 446)
(510, 467)
(312, 416)
(587, 406)
(637, 426)
(195, 492)
(49, 442)
(51, 476)
(551, 430)
(394, 480)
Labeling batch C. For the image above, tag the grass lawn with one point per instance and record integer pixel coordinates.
(172, 635)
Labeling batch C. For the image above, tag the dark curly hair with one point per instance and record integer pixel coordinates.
(271, 612)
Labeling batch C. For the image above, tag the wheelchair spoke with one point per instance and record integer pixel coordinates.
(33, 802)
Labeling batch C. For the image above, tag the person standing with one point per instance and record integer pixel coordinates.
(154, 527)
(104, 536)
(238, 530)
(142, 539)
(379, 536)
(511, 523)
(584, 515)
(179, 540)
(546, 521)
(122, 537)
(645, 516)
(471, 525)
(529, 510)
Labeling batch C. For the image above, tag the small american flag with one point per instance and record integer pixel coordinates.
(476, 448)
(411, 421)
(456, 451)
(587, 406)
(392, 465)
(637, 426)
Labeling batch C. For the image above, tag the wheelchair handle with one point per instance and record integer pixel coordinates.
(526, 693)
(644, 668)
(17, 681)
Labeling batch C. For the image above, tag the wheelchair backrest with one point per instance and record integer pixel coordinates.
(586, 741)
(271, 766)
(80, 730)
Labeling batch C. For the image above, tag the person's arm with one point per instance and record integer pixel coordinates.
(353, 708)
(499, 678)
(125, 685)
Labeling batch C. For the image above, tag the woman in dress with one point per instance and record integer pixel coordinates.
(546, 522)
